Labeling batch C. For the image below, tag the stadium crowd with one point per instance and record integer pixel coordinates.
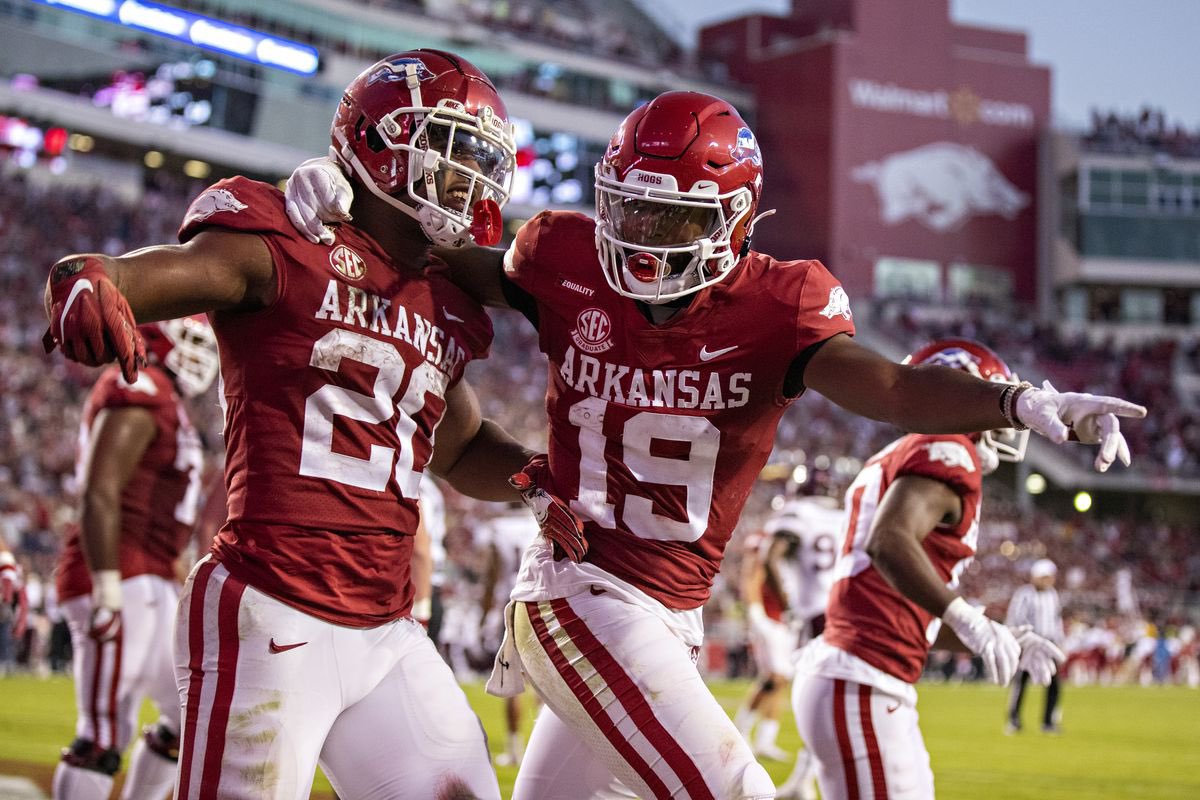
(1145, 133)
(1126, 581)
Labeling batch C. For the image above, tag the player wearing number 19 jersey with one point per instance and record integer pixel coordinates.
(658, 429)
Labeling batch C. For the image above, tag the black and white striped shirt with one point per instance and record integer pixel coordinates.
(1039, 609)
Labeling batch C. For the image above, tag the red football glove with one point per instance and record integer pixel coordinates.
(558, 522)
(90, 319)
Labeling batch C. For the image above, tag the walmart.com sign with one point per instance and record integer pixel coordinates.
(961, 105)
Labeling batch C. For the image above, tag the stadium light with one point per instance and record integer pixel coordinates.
(1083, 502)
(196, 169)
(199, 30)
(1035, 483)
(153, 159)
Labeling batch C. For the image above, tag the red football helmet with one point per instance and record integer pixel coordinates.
(426, 132)
(187, 347)
(981, 361)
(676, 194)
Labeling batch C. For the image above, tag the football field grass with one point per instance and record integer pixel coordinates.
(1124, 743)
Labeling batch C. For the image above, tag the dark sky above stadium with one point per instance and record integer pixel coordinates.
(1110, 54)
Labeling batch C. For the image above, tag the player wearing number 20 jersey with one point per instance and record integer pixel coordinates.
(320, 454)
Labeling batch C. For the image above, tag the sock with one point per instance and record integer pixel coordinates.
(768, 729)
(150, 776)
(516, 747)
(77, 783)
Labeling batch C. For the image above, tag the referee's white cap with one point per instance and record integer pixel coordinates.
(1043, 568)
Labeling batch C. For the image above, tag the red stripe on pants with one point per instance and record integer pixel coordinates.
(227, 656)
(878, 776)
(112, 691)
(843, 737)
(590, 704)
(633, 700)
(196, 670)
(95, 704)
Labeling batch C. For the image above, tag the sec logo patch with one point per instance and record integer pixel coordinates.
(593, 330)
(347, 263)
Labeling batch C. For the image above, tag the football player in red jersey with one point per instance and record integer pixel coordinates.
(912, 523)
(139, 470)
(671, 361)
(294, 641)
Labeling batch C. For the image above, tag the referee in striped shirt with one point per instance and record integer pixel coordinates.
(1036, 604)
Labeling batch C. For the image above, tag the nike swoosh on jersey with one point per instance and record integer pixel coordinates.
(893, 709)
(451, 317)
(283, 648)
(709, 355)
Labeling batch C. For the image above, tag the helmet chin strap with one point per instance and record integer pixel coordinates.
(437, 228)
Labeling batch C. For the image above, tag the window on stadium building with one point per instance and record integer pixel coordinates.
(1141, 305)
(975, 282)
(908, 277)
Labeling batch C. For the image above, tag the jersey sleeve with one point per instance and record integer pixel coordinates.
(949, 459)
(238, 204)
(553, 247)
(111, 391)
(824, 308)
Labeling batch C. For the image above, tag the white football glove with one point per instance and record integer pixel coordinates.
(317, 192)
(1040, 657)
(986, 638)
(1093, 418)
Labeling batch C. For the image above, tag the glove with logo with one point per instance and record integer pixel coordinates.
(317, 192)
(90, 319)
(105, 624)
(1040, 657)
(558, 522)
(1091, 418)
(988, 639)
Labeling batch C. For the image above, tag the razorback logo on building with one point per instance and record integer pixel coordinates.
(941, 185)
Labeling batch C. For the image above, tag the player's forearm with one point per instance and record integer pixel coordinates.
(485, 464)
(933, 399)
(901, 560)
(100, 529)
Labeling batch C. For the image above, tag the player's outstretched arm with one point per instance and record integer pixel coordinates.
(94, 302)
(475, 455)
(935, 399)
(913, 506)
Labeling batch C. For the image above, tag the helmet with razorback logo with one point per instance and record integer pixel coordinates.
(676, 194)
(1004, 444)
(427, 132)
(187, 348)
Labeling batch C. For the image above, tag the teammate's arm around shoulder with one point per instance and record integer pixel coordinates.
(475, 455)
(478, 271)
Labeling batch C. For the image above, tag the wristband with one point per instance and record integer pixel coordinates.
(1008, 404)
(422, 609)
(106, 588)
